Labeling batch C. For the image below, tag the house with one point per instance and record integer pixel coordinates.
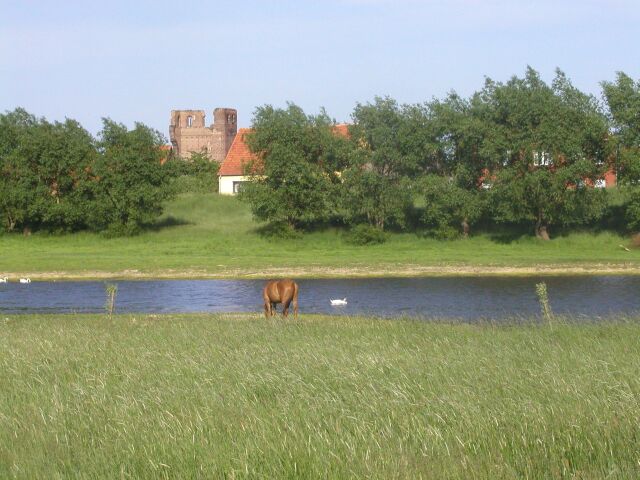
(233, 171)
(608, 179)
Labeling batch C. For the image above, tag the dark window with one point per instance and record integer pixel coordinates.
(237, 186)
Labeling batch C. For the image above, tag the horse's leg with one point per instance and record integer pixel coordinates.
(267, 301)
(285, 309)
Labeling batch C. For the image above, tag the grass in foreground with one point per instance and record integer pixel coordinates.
(216, 235)
(209, 396)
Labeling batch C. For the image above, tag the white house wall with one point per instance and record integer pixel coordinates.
(225, 183)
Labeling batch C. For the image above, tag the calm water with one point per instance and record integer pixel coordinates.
(469, 298)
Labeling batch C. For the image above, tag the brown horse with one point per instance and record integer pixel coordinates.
(280, 291)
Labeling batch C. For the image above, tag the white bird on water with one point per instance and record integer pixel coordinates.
(338, 301)
(4, 280)
(25, 280)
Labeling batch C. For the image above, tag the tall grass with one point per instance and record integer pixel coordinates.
(209, 396)
(543, 299)
(111, 290)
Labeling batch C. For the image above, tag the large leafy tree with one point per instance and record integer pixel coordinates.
(543, 197)
(296, 176)
(375, 198)
(450, 208)
(131, 180)
(44, 172)
(548, 143)
(17, 182)
(392, 145)
(65, 153)
(623, 100)
(464, 133)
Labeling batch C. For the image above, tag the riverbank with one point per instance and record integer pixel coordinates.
(184, 396)
(393, 271)
(211, 236)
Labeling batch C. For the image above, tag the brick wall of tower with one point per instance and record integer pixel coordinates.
(188, 132)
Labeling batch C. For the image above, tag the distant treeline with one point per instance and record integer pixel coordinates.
(521, 153)
(56, 177)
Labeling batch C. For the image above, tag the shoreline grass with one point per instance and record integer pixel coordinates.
(212, 236)
(238, 396)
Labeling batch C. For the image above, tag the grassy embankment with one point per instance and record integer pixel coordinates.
(210, 396)
(209, 235)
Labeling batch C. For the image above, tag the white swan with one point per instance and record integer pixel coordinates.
(338, 301)
(4, 280)
(25, 280)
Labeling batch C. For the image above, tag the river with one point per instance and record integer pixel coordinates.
(465, 298)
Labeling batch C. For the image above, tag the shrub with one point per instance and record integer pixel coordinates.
(116, 230)
(365, 235)
(632, 213)
(197, 174)
(443, 232)
(279, 230)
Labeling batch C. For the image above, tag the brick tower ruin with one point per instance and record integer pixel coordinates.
(189, 134)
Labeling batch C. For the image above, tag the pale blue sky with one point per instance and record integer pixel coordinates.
(136, 60)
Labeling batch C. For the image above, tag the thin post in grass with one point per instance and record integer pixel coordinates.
(110, 306)
(543, 298)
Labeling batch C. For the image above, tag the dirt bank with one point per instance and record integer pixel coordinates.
(347, 272)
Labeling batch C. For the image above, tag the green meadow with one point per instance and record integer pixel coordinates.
(238, 396)
(209, 235)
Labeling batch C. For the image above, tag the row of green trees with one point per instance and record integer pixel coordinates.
(56, 177)
(522, 152)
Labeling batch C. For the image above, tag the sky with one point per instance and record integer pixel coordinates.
(138, 60)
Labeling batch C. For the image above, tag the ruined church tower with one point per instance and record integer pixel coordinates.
(189, 133)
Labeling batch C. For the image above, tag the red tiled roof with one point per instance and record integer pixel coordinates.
(342, 130)
(238, 157)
